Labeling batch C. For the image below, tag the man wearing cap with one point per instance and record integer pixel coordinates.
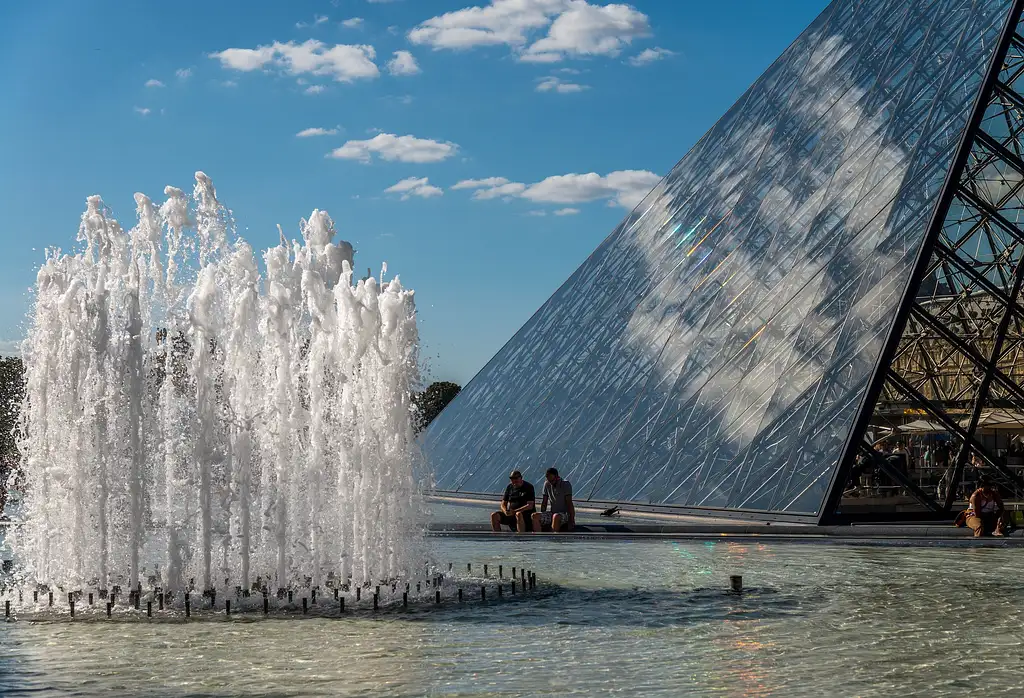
(517, 505)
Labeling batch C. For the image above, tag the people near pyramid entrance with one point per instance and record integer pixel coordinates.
(985, 514)
(901, 457)
(557, 493)
(518, 505)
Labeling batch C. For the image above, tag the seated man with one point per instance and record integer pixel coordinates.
(985, 513)
(563, 513)
(517, 504)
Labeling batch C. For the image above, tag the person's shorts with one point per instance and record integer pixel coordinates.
(545, 521)
(510, 520)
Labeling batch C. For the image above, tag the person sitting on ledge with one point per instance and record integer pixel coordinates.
(985, 513)
(562, 516)
(517, 504)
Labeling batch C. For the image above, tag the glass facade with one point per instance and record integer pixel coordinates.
(714, 351)
(953, 393)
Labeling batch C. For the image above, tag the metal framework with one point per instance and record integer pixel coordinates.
(956, 348)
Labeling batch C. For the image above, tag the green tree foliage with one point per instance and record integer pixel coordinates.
(429, 403)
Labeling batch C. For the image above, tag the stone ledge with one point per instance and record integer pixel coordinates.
(938, 532)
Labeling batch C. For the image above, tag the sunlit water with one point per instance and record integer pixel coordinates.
(612, 618)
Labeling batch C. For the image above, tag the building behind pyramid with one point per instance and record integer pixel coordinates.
(832, 269)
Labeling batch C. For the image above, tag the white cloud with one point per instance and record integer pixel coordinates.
(314, 89)
(551, 83)
(388, 146)
(343, 62)
(10, 347)
(624, 187)
(536, 213)
(229, 83)
(317, 19)
(145, 111)
(590, 30)
(501, 22)
(183, 73)
(153, 82)
(480, 183)
(574, 28)
(650, 55)
(415, 186)
(352, 22)
(403, 64)
(503, 191)
(310, 132)
(491, 188)
(567, 212)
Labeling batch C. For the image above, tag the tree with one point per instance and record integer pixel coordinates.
(429, 403)
(12, 391)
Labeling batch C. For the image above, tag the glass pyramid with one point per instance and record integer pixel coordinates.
(719, 350)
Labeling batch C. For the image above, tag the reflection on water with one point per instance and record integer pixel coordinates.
(634, 618)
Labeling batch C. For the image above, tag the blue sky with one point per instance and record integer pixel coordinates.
(512, 134)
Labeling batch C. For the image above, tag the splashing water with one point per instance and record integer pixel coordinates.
(191, 420)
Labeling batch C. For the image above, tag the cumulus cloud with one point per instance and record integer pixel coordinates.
(388, 146)
(553, 84)
(567, 212)
(314, 89)
(310, 132)
(343, 62)
(589, 30)
(650, 55)
(415, 186)
(574, 28)
(352, 22)
(143, 110)
(183, 73)
(480, 183)
(624, 188)
(317, 19)
(509, 189)
(153, 82)
(403, 64)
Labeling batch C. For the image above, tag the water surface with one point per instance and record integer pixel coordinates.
(645, 618)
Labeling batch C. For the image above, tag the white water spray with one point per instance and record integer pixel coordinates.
(192, 421)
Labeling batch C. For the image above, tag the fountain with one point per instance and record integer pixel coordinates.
(195, 424)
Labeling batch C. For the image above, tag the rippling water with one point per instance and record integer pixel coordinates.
(645, 618)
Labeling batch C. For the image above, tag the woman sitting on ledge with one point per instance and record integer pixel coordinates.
(985, 513)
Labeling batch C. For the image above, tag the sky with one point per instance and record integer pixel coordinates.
(481, 150)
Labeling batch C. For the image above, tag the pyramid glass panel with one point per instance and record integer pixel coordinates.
(716, 350)
(951, 405)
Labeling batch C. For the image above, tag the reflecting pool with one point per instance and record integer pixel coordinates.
(648, 618)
